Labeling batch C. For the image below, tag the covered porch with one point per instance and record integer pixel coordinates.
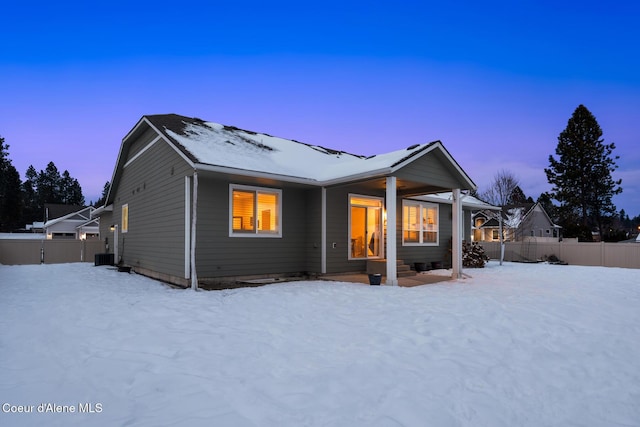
(391, 217)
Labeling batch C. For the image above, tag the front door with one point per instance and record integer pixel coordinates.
(365, 227)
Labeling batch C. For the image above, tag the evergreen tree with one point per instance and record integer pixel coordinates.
(581, 176)
(70, 190)
(517, 196)
(49, 185)
(105, 192)
(10, 195)
(624, 217)
(32, 211)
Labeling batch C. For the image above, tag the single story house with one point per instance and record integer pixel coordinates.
(519, 222)
(76, 224)
(194, 200)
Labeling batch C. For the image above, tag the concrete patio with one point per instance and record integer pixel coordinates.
(423, 278)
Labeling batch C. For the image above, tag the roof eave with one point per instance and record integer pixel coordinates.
(254, 174)
(144, 121)
(377, 173)
(98, 211)
(469, 204)
(294, 179)
(119, 159)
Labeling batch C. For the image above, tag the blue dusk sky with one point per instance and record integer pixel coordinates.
(496, 82)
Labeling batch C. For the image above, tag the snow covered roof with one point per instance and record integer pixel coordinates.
(211, 145)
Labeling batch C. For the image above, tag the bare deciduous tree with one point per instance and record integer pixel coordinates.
(501, 190)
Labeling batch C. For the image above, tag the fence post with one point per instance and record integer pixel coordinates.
(560, 244)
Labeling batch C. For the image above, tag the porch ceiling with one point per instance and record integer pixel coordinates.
(404, 187)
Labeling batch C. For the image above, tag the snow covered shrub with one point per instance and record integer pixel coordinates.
(473, 255)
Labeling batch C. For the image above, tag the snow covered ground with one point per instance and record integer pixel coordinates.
(515, 345)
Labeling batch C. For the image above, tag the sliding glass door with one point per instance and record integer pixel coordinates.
(365, 227)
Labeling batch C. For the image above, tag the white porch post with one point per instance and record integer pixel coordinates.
(456, 235)
(392, 253)
(323, 232)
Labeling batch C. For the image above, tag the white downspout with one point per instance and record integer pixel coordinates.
(187, 227)
(194, 215)
(392, 241)
(116, 245)
(456, 235)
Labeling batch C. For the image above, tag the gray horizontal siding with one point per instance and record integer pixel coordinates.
(432, 169)
(338, 228)
(411, 254)
(144, 140)
(313, 230)
(106, 220)
(153, 187)
(219, 255)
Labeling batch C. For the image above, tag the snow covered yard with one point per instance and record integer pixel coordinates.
(515, 345)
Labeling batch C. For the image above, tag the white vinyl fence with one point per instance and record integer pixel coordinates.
(626, 255)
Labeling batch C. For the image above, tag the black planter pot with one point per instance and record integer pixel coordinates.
(420, 266)
(375, 279)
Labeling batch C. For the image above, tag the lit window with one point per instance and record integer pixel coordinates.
(365, 227)
(255, 211)
(419, 223)
(125, 218)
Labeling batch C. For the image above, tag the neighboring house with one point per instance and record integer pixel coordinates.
(196, 200)
(77, 224)
(58, 210)
(527, 220)
(469, 203)
(35, 227)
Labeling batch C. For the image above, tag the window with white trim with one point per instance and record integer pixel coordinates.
(420, 225)
(255, 211)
